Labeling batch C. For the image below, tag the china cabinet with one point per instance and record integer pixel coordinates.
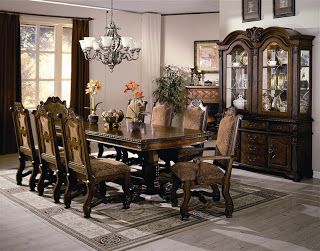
(266, 74)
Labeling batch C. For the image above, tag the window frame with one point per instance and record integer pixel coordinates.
(58, 25)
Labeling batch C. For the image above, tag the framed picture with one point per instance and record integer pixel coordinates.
(251, 10)
(206, 56)
(283, 8)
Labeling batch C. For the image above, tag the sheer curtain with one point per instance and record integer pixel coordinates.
(10, 78)
(80, 69)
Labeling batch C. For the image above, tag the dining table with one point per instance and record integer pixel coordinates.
(146, 139)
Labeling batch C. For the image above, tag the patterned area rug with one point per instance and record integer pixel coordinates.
(113, 228)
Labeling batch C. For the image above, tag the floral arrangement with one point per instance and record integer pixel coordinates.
(92, 88)
(136, 99)
(135, 88)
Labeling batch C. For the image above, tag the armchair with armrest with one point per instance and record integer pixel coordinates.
(200, 172)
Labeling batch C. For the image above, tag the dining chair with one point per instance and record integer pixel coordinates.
(194, 117)
(200, 172)
(162, 114)
(52, 159)
(93, 172)
(25, 144)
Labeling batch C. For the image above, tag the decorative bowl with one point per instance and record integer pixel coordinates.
(282, 56)
(112, 117)
(240, 102)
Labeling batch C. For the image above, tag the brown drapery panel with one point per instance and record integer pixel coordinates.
(80, 69)
(10, 78)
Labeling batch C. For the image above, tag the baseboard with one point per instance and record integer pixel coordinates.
(316, 174)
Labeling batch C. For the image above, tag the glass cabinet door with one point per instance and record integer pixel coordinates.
(304, 81)
(237, 80)
(274, 79)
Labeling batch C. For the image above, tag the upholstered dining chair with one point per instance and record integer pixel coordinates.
(93, 172)
(162, 114)
(200, 172)
(51, 156)
(25, 144)
(194, 117)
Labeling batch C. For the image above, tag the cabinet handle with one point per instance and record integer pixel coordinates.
(252, 138)
(272, 151)
(252, 158)
(252, 148)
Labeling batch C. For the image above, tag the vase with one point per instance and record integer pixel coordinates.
(93, 117)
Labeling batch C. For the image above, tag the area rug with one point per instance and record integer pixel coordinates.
(113, 228)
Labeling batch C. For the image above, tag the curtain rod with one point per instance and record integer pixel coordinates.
(43, 15)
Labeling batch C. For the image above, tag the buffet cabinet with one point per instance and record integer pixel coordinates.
(266, 75)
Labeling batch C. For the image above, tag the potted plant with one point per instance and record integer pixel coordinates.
(171, 87)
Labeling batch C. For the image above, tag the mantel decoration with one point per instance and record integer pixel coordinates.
(92, 88)
(206, 56)
(111, 48)
(283, 8)
(251, 10)
(136, 100)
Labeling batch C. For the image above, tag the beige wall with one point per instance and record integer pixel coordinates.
(306, 21)
(112, 93)
(180, 31)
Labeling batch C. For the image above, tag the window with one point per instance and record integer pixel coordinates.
(45, 61)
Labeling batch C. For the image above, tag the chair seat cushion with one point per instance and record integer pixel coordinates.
(203, 173)
(103, 167)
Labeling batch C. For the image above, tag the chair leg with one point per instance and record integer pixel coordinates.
(176, 183)
(126, 190)
(186, 198)
(118, 156)
(125, 156)
(43, 176)
(20, 170)
(58, 185)
(100, 152)
(102, 188)
(216, 192)
(32, 180)
(228, 200)
(71, 180)
(87, 203)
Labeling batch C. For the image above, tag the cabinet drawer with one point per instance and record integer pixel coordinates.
(254, 149)
(256, 125)
(254, 159)
(279, 127)
(254, 138)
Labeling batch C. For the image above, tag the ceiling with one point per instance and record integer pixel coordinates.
(155, 6)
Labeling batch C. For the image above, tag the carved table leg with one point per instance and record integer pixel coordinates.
(151, 171)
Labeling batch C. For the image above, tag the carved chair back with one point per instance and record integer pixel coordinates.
(74, 142)
(162, 114)
(195, 116)
(23, 130)
(55, 106)
(135, 109)
(227, 133)
(47, 136)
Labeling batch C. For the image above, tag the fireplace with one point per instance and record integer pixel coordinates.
(210, 97)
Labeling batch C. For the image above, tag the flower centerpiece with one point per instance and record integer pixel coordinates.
(136, 103)
(92, 88)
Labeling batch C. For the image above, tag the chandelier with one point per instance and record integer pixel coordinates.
(111, 48)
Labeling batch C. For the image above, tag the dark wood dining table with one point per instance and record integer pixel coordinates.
(147, 139)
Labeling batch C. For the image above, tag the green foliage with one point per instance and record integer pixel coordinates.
(171, 87)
